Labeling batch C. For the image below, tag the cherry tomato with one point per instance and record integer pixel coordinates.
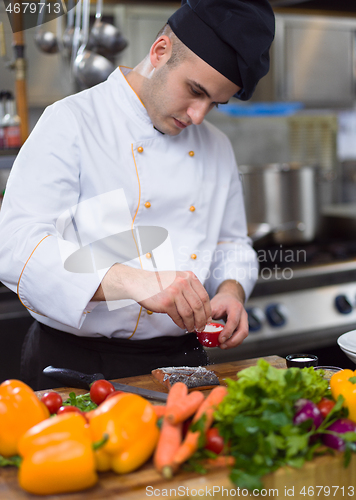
(99, 391)
(113, 394)
(325, 406)
(214, 442)
(53, 401)
(69, 409)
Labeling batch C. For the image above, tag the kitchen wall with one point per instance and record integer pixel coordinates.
(262, 139)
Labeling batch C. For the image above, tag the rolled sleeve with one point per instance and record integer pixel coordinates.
(233, 261)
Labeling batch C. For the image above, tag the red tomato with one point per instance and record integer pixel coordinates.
(100, 390)
(214, 442)
(325, 406)
(113, 394)
(53, 401)
(69, 409)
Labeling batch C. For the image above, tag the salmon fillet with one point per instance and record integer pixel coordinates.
(194, 377)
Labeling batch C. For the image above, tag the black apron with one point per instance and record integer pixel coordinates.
(114, 358)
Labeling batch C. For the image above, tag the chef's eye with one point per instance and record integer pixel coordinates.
(195, 92)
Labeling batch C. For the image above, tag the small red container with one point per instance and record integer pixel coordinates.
(210, 339)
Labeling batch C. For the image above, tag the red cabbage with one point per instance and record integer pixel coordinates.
(340, 426)
(307, 410)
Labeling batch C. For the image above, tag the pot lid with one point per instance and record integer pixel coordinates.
(274, 167)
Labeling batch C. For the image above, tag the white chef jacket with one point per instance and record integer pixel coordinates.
(97, 156)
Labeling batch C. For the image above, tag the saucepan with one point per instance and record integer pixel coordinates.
(258, 232)
(282, 201)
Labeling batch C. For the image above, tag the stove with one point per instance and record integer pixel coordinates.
(304, 299)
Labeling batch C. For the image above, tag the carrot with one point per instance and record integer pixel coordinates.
(168, 443)
(171, 435)
(191, 441)
(185, 407)
(160, 410)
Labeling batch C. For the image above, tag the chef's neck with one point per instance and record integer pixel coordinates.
(138, 74)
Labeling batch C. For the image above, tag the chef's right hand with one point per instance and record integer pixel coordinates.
(179, 294)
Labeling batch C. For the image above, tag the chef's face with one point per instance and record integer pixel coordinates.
(181, 95)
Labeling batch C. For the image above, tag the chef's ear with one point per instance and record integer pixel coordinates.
(160, 51)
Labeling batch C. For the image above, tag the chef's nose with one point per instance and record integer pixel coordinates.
(197, 112)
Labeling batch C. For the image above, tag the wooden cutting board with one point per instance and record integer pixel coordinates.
(317, 478)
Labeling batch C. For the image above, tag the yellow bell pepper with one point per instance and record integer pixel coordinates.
(57, 456)
(130, 423)
(344, 383)
(20, 409)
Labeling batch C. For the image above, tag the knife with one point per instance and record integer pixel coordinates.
(72, 378)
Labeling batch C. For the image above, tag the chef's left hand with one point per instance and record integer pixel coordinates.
(228, 304)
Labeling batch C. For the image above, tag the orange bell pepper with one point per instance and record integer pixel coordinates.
(20, 409)
(130, 423)
(57, 456)
(344, 383)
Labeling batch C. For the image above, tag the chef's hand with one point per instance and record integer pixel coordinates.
(228, 304)
(176, 293)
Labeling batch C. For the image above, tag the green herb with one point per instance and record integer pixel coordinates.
(15, 460)
(199, 426)
(196, 461)
(256, 418)
(83, 402)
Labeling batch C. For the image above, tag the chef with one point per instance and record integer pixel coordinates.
(123, 225)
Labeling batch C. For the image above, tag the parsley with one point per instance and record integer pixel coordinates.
(199, 426)
(83, 402)
(196, 463)
(256, 418)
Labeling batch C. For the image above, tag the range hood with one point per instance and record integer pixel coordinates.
(334, 6)
(313, 61)
(325, 5)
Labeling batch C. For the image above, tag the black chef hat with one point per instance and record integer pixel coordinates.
(232, 36)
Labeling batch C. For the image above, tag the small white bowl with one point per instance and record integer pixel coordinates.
(347, 343)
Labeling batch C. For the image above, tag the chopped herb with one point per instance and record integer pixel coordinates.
(83, 402)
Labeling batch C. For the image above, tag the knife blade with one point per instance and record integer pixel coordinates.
(73, 378)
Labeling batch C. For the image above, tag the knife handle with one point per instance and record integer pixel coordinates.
(72, 378)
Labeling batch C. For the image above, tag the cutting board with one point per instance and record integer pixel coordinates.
(315, 477)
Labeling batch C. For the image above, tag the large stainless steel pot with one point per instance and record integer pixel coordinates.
(283, 195)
